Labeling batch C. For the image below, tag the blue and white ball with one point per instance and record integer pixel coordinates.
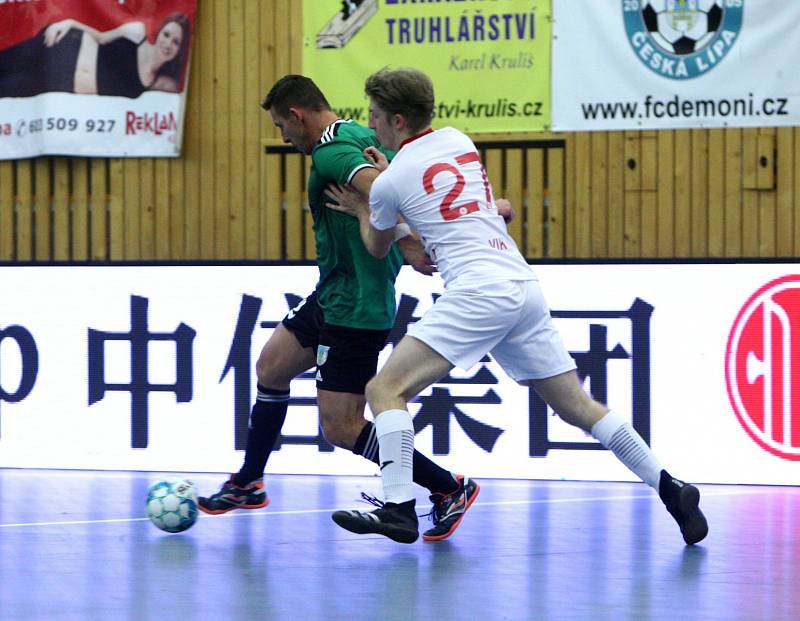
(172, 504)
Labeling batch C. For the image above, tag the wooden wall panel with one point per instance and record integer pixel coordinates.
(24, 209)
(784, 199)
(80, 209)
(733, 193)
(648, 221)
(60, 205)
(7, 200)
(222, 129)
(237, 87)
(698, 195)
(616, 195)
(682, 184)
(634, 194)
(116, 215)
(556, 203)
(162, 209)
(598, 199)
(205, 72)
(750, 193)
(665, 202)
(570, 198)
(131, 199)
(765, 179)
(581, 186)
(715, 204)
(632, 190)
(43, 222)
(252, 113)
(537, 206)
(98, 209)
(147, 207)
(293, 206)
(272, 247)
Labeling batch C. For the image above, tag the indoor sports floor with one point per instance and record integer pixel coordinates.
(76, 545)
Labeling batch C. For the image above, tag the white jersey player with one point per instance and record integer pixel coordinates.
(492, 304)
(438, 185)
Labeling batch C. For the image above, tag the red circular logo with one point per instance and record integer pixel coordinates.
(762, 367)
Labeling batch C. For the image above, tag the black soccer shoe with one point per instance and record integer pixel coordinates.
(682, 501)
(395, 521)
(449, 509)
(232, 496)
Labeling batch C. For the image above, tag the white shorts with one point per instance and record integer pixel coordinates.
(510, 320)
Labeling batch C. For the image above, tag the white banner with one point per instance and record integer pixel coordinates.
(151, 368)
(93, 78)
(657, 64)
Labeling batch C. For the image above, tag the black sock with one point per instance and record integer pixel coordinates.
(426, 473)
(266, 420)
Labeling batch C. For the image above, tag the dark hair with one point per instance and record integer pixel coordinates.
(174, 68)
(295, 91)
(405, 91)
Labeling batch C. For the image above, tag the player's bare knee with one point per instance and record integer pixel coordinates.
(375, 390)
(269, 375)
(383, 395)
(262, 372)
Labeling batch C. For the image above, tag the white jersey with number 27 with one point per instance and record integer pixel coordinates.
(437, 183)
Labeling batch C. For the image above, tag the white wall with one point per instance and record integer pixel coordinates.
(47, 313)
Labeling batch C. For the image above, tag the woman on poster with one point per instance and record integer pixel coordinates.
(69, 56)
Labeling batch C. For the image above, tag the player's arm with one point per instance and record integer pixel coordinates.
(413, 251)
(410, 247)
(135, 31)
(377, 241)
(354, 201)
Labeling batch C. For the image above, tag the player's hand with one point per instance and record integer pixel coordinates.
(56, 31)
(414, 254)
(504, 209)
(347, 199)
(376, 158)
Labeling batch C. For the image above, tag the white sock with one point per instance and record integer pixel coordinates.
(395, 433)
(615, 433)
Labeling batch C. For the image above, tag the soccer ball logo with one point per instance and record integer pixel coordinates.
(682, 39)
(172, 504)
(682, 27)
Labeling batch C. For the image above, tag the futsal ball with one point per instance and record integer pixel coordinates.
(172, 504)
(682, 27)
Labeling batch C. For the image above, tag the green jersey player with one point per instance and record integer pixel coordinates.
(343, 325)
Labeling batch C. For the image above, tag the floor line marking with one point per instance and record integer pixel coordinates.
(498, 503)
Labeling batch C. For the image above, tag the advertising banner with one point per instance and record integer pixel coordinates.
(489, 61)
(103, 78)
(657, 64)
(152, 368)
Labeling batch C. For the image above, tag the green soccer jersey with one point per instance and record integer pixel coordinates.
(355, 289)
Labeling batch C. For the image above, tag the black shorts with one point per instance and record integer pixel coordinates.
(347, 358)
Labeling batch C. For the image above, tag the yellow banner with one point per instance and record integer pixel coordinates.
(489, 59)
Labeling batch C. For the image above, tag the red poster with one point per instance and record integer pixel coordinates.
(93, 77)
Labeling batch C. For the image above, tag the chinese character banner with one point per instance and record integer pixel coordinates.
(104, 78)
(489, 61)
(152, 368)
(658, 64)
